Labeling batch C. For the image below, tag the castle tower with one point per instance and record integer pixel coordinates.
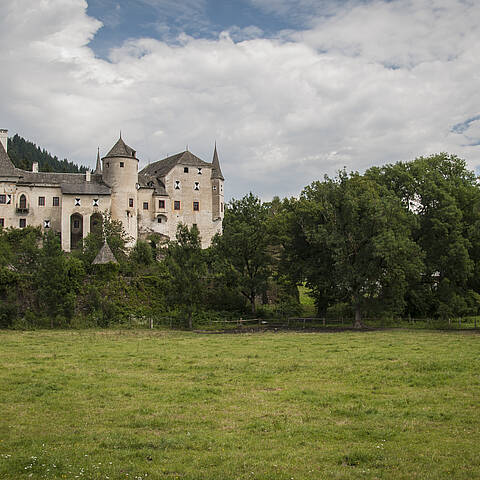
(120, 173)
(217, 188)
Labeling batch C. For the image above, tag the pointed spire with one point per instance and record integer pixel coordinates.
(105, 255)
(216, 170)
(98, 168)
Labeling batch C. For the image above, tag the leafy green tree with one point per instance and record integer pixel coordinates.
(57, 279)
(444, 197)
(243, 250)
(358, 235)
(187, 271)
(141, 253)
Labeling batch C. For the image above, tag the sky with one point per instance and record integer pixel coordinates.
(289, 90)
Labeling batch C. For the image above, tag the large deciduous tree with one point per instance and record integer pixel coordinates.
(355, 244)
(243, 250)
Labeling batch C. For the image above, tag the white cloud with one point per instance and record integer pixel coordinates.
(283, 112)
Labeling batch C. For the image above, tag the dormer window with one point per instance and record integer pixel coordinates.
(177, 184)
(196, 186)
(199, 170)
(185, 169)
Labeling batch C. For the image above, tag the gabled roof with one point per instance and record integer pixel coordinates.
(162, 167)
(152, 181)
(85, 188)
(104, 256)
(216, 170)
(7, 168)
(121, 149)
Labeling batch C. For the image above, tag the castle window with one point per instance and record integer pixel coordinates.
(77, 202)
(196, 206)
(145, 205)
(108, 164)
(159, 219)
(214, 188)
(23, 223)
(177, 184)
(23, 201)
(9, 199)
(196, 186)
(56, 201)
(176, 205)
(161, 204)
(122, 164)
(46, 224)
(76, 223)
(130, 202)
(41, 201)
(3, 199)
(199, 170)
(95, 202)
(2, 222)
(185, 169)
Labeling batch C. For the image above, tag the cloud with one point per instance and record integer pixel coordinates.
(366, 85)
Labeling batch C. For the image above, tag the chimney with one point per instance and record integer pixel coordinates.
(88, 175)
(35, 167)
(3, 137)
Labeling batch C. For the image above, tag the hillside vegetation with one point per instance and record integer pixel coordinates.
(23, 153)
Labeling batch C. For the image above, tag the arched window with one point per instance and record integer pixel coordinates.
(23, 201)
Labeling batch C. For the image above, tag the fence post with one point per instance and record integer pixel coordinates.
(151, 323)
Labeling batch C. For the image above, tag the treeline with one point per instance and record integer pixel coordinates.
(24, 153)
(401, 240)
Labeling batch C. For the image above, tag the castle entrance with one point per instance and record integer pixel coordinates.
(76, 230)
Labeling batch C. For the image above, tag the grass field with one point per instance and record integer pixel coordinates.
(162, 405)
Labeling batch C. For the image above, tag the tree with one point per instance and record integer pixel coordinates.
(187, 271)
(58, 279)
(243, 248)
(357, 234)
(444, 197)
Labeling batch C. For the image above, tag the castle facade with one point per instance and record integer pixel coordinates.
(179, 189)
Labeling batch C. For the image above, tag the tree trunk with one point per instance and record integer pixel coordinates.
(358, 317)
(190, 324)
(252, 301)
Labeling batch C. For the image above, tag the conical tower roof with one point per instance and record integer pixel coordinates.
(6, 166)
(216, 170)
(105, 255)
(121, 149)
(98, 168)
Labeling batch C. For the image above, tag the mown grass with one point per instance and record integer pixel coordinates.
(161, 405)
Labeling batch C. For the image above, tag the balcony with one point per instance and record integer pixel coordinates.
(22, 210)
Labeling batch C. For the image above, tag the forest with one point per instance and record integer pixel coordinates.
(398, 241)
(24, 153)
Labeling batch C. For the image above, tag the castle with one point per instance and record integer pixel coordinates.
(179, 189)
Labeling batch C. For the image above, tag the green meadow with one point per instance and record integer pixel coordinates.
(164, 405)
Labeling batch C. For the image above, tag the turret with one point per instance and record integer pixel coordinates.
(217, 188)
(120, 173)
(98, 167)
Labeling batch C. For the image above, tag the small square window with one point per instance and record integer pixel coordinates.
(199, 170)
(77, 202)
(95, 202)
(145, 205)
(9, 199)
(46, 224)
(177, 184)
(196, 186)
(196, 206)
(3, 199)
(2, 222)
(214, 188)
(185, 169)
(23, 223)
(41, 201)
(159, 219)
(56, 201)
(122, 164)
(108, 164)
(176, 205)
(161, 204)
(130, 202)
